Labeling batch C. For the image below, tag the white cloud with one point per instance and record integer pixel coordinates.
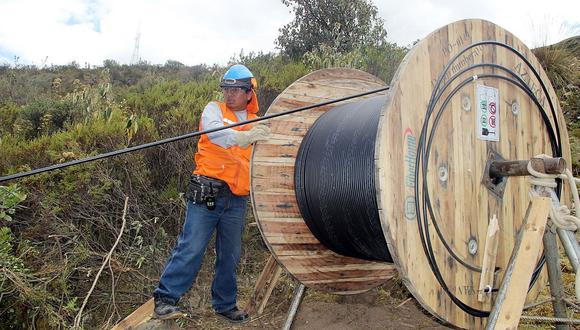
(195, 32)
(191, 32)
(536, 22)
(34, 30)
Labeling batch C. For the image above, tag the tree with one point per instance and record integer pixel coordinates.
(343, 25)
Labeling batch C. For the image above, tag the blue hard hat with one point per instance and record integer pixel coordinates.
(238, 76)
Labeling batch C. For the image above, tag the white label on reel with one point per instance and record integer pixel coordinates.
(487, 113)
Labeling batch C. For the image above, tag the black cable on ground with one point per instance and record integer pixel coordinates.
(182, 137)
(335, 180)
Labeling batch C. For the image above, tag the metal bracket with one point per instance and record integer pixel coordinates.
(495, 185)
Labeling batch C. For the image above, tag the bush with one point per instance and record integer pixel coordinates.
(9, 113)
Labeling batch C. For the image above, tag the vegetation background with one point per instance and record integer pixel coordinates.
(57, 227)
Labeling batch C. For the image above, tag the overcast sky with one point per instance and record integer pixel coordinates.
(194, 32)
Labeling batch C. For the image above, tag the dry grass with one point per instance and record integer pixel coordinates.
(568, 280)
(561, 64)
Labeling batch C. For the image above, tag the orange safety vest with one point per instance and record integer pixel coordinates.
(232, 164)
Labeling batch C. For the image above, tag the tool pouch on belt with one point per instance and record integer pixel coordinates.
(204, 190)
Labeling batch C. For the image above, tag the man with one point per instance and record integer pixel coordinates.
(217, 198)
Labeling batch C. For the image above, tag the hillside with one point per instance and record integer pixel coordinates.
(57, 227)
(562, 63)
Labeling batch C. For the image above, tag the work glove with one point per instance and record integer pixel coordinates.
(257, 133)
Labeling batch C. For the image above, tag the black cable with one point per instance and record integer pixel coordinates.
(182, 137)
(424, 154)
(523, 58)
(428, 202)
(335, 180)
(544, 89)
(425, 164)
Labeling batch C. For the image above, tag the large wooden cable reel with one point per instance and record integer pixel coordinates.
(457, 139)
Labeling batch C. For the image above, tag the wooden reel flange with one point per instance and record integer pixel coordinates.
(274, 199)
(459, 149)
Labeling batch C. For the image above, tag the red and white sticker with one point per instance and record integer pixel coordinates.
(487, 113)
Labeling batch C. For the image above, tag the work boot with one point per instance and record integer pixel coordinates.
(234, 315)
(166, 309)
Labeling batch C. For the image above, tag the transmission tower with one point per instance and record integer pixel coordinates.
(135, 58)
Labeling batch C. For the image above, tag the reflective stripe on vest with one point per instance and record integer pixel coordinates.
(232, 164)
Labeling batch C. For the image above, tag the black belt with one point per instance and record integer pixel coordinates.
(207, 181)
(204, 190)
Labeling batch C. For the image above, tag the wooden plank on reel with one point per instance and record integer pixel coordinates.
(509, 303)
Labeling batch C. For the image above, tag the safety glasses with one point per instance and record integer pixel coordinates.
(233, 90)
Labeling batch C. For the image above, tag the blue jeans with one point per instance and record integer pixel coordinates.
(182, 267)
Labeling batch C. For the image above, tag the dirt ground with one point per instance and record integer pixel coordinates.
(356, 313)
(380, 308)
(386, 307)
(389, 306)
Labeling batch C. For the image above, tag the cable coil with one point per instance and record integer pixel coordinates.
(335, 180)
(423, 206)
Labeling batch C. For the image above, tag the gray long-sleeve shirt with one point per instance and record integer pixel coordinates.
(212, 117)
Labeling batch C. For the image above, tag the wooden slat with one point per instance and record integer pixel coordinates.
(264, 286)
(279, 160)
(269, 289)
(346, 275)
(512, 295)
(333, 260)
(291, 239)
(489, 259)
(140, 316)
(276, 150)
(292, 228)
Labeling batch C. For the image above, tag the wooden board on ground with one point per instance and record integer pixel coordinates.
(461, 205)
(139, 317)
(274, 199)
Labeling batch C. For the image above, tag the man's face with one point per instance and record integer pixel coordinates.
(236, 98)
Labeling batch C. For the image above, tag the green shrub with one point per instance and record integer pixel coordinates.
(10, 199)
(9, 113)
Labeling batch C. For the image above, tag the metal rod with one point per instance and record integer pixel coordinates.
(183, 137)
(555, 277)
(571, 247)
(538, 303)
(549, 319)
(502, 168)
(570, 303)
(294, 306)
